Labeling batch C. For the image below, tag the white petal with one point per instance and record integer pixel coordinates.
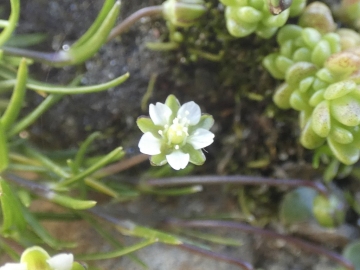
(149, 144)
(201, 138)
(191, 111)
(61, 261)
(14, 266)
(178, 160)
(160, 114)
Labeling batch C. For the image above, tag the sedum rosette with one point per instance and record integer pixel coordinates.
(36, 258)
(320, 69)
(244, 17)
(175, 134)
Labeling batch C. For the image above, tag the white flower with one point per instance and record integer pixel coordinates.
(14, 266)
(63, 261)
(175, 134)
(37, 257)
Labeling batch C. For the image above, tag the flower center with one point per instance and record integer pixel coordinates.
(178, 131)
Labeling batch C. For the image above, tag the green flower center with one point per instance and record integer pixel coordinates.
(177, 132)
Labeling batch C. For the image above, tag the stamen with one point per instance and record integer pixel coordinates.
(177, 147)
(187, 112)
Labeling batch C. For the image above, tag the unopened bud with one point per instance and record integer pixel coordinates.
(183, 13)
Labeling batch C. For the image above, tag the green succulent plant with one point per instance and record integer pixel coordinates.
(322, 83)
(254, 16)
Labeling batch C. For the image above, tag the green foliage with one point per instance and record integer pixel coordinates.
(297, 205)
(321, 83)
(329, 211)
(253, 16)
(351, 252)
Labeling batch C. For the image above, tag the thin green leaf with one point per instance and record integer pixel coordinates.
(111, 157)
(4, 152)
(110, 238)
(42, 233)
(106, 8)
(13, 19)
(70, 202)
(101, 187)
(80, 155)
(10, 251)
(13, 220)
(47, 163)
(117, 253)
(8, 73)
(34, 115)
(25, 40)
(17, 97)
(136, 230)
(94, 40)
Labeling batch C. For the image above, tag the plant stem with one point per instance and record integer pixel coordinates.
(120, 166)
(309, 247)
(133, 18)
(214, 255)
(234, 179)
(135, 230)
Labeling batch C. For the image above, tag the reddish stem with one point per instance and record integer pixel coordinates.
(133, 18)
(306, 246)
(208, 253)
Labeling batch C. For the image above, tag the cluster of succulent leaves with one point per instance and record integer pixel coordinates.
(320, 73)
(244, 17)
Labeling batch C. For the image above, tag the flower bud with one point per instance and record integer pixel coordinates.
(329, 212)
(183, 13)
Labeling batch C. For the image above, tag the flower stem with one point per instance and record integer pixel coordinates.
(120, 166)
(309, 247)
(234, 179)
(244, 265)
(133, 18)
(133, 229)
